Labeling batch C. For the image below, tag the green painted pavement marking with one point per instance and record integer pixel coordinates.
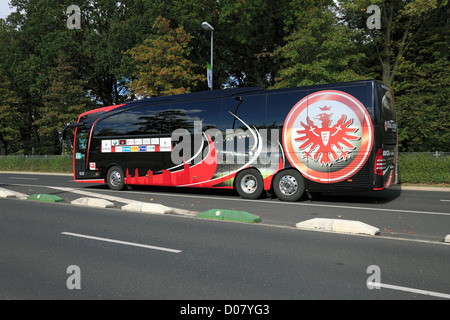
(45, 198)
(229, 215)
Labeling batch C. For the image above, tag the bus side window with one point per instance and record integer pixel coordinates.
(279, 106)
(250, 109)
(186, 114)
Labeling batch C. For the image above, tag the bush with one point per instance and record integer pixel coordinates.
(36, 163)
(424, 168)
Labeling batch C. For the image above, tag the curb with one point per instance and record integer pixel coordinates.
(419, 188)
(339, 226)
(147, 208)
(93, 202)
(5, 193)
(39, 173)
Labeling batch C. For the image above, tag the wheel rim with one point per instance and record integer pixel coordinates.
(249, 184)
(288, 185)
(115, 179)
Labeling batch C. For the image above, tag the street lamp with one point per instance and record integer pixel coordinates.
(208, 27)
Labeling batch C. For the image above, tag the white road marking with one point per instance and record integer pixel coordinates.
(7, 193)
(93, 194)
(121, 242)
(445, 200)
(406, 289)
(17, 178)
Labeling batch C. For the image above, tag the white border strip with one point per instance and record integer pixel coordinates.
(377, 285)
(121, 242)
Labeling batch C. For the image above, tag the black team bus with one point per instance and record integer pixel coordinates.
(324, 138)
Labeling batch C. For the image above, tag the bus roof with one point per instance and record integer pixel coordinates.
(213, 94)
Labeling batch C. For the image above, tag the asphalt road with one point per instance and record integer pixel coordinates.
(47, 249)
(410, 214)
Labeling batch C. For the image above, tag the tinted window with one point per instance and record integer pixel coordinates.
(161, 119)
(133, 122)
(185, 114)
(280, 104)
(388, 107)
(250, 109)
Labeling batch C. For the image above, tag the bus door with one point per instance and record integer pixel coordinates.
(80, 153)
(387, 155)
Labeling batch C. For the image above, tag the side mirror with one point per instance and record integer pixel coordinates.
(62, 133)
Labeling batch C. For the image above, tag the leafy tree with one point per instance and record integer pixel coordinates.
(401, 22)
(163, 66)
(109, 28)
(34, 37)
(319, 50)
(30, 43)
(9, 133)
(422, 91)
(246, 33)
(46, 69)
(63, 102)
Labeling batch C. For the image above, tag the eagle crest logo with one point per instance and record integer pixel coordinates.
(325, 143)
(328, 136)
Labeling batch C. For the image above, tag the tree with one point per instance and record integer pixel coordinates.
(35, 36)
(109, 28)
(246, 34)
(401, 22)
(162, 62)
(319, 51)
(422, 91)
(64, 100)
(9, 132)
(30, 42)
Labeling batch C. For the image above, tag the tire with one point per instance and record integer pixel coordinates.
(249, 184)
(289, 185)
(115, 178)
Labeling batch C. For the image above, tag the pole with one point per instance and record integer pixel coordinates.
(212, 40)
(207, 26)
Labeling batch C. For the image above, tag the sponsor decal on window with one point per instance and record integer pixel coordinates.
(137, 145)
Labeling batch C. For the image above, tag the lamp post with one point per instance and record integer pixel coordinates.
(208, 27)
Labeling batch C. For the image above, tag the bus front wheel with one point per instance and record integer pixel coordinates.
(115, 178)
(289, 185)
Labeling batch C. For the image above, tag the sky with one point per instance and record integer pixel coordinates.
(5, 10)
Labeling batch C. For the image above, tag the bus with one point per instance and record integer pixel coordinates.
(289, 142)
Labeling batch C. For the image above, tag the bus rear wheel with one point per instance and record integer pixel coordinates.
(289, 185)
(249, 184)
(115, 178)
